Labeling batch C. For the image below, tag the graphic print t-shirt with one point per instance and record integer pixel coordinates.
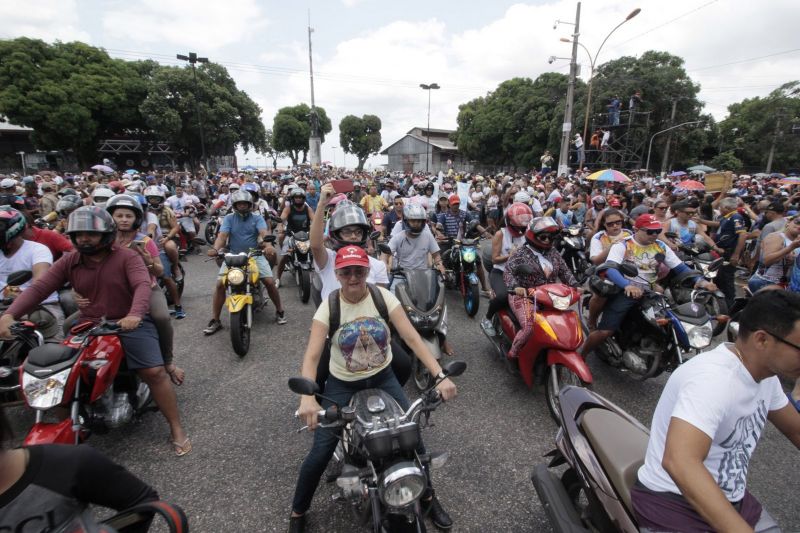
(360, 347)
(717, 395)
(644, 257)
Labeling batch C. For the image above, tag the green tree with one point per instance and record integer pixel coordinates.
(726, 161)
(662, 80)
(291, 130)
(229, 116)
(755, 124)
(270, 150)
(516, 122)
(71, 94)
(360, 136)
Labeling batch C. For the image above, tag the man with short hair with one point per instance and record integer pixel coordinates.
(731, 237)
(709, 419)
(373, 203)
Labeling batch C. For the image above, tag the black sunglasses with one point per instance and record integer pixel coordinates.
(653, 231)
(545, 237)
(613, 223)
(781, 339)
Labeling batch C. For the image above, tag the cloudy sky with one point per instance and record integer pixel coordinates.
(371, 55)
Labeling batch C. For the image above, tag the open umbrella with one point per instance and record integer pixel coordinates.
(248, 167)
(761, 175)
(609, 175)
(777, 175)
(677, 174)
(103, 168)
(131, 171)
(690, 185)
(789, 181)
(701, 168)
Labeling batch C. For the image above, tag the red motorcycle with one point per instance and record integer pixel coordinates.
(550, 356)
(87, 375)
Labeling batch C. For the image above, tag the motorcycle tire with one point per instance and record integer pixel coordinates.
(576, 492)
(557, 377)
(422, 378)
(210, 232)
(472, 300)
(240, 332)
(305, 285)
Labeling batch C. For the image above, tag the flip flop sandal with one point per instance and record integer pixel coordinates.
(181, 449)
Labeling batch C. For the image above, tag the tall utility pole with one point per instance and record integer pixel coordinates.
(563, 155)
(315, 141)
(775, 135)
(665, 158)
(192, 59)
(428, 87)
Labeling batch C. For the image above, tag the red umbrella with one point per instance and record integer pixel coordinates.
(691, 185)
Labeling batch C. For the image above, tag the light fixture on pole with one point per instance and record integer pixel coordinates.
(650, 148)
(593, 63)
(429, 88)
(24, 168)
(193, 59)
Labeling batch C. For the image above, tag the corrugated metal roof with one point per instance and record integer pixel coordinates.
(442, 144)
(6, 126)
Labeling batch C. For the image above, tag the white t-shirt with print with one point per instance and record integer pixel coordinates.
(377, 274)
(361, 347)
(29, 254)
(716, 394)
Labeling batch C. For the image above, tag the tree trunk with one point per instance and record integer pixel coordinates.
(293, 155)
(361, 162)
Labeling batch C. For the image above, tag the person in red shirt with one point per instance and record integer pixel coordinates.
(56, 242)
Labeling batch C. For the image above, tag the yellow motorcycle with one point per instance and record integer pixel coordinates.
(245, 294)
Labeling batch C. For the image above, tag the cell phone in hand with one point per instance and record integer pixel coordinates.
(342, 186)
(138, 244)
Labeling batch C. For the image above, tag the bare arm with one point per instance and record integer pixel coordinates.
(737, 252)
(316, 233)
(773, 250)
(787, 420)
(316, 342)
(686, 449)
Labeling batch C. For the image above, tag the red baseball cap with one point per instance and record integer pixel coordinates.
(351, 256)
(614, 202)
(647, 221)
(454, 200)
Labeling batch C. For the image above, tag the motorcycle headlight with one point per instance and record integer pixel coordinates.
(302, 246)
(235, 276)
(402, 484)
(468, 255)
(46, 392)
(699, 336)
(559, 302)
(574, 231)
(378, 221)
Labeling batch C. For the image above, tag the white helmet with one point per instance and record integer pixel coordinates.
(523, 197)
(101, 195)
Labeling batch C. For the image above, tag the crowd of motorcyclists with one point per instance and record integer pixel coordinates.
(641, 253)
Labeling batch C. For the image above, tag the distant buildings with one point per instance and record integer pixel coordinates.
(409, 154)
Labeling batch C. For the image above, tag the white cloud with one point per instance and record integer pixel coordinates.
(206, 25)
(48, 20)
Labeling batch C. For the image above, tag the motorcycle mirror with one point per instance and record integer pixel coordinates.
(715, 265)
(303, 386)
(454, 368)
(375, 235)
(671, 235)
(270, 238)
(524, 269)
(628, 269)
(384, 248)
(19, 277)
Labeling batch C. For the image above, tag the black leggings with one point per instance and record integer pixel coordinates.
(500, 299)
(401, 364)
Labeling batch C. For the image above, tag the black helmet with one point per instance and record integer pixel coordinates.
(17, 202)
(347, 214)
(92, 219)
(68, 204)
(12, 224)
(127, 201)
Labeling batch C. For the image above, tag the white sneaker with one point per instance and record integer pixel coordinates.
(488, 327)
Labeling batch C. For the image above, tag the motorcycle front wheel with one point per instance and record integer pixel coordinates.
(472, 299)
(240, 332)
(304, 285)
(558, 377)
(211, 232)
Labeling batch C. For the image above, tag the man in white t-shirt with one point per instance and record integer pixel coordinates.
(708, 422)
(19, 254)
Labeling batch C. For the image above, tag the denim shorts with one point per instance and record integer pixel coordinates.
(264, 270)
(141, 346)
(614, 312)
(166, 263)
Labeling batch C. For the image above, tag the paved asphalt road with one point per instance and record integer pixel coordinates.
(239, 414)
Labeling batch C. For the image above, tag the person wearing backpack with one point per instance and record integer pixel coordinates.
(355, 320)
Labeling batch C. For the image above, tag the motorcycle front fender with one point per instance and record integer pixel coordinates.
(472, 278)
(42, 433)
(572, 360)
(236, 302)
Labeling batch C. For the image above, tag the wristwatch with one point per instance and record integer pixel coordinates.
(441, 375)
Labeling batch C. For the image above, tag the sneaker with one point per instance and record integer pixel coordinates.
(280, 317)
(488, 327)
(180, 313)
(213, 327)
(437, 514)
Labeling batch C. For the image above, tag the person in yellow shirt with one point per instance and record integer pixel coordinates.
(373, 203)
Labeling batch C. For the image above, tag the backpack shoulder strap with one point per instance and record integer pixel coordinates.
(379, 302)
(334, 312)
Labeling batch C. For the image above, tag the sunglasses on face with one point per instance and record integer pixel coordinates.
(353, 272)
(545, 237)
(653, 231)
(613, 223)
(690, 213)
(661, 207)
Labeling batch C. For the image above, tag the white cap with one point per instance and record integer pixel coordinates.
(7, 183)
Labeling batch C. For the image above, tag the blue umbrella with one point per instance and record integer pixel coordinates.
(249, 167)
(131, 171)
(677, 173)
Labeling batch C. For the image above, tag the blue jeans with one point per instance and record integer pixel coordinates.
(325, 440)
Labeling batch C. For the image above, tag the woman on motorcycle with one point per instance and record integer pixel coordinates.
(610, 222)
(504, 243)
(548, 267)
(361, 355)
(777, 259)
(297, 216)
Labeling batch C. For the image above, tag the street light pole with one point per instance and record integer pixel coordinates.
(650, 148)
(24, 168)
(566, 129)
(428, 87)
(334, 155)
(193, 59)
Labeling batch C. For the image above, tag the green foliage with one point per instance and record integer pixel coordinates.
(360, 136)
(754, 123)
(726, 161)
(291, 130)
(515, 123)
(270, 150)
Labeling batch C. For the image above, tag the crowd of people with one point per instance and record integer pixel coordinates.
(136, 227)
